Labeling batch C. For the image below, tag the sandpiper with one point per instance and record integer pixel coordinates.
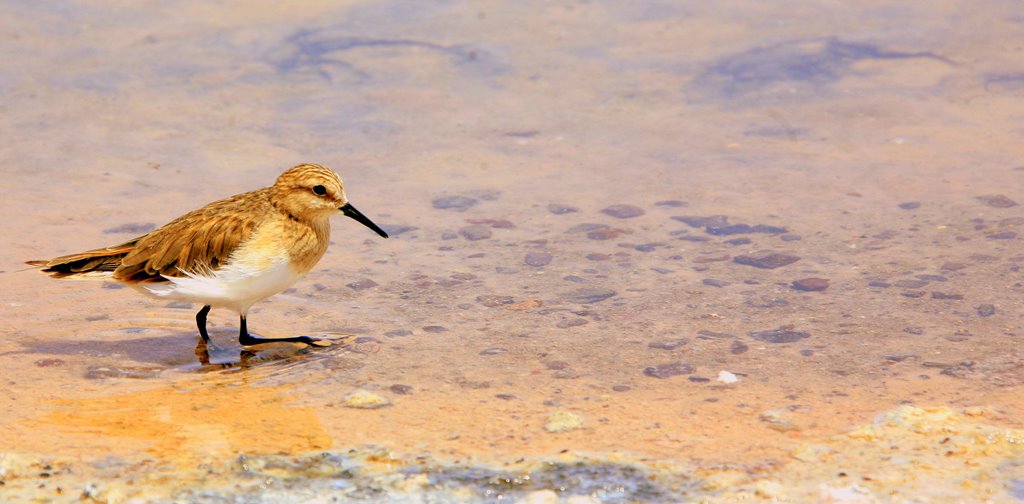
(231, 253)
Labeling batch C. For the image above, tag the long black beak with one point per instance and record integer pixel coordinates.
(351, 211)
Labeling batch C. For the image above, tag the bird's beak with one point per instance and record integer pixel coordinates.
(351, 211)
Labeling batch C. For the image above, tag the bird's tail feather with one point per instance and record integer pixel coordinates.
(98, 263)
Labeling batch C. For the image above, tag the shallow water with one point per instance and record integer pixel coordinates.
(878, 143)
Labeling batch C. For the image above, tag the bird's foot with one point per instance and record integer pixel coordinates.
(250, 340)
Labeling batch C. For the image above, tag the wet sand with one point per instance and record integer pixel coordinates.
(876, 144)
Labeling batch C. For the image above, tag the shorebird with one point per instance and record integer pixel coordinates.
(230, 253)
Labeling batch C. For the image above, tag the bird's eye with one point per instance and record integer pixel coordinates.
(319, 190)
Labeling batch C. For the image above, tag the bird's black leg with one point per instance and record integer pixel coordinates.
(201, 322)
(245, 339)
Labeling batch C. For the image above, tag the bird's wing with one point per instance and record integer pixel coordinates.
(198, 242)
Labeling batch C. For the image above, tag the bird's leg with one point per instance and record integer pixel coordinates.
(201, 322)
(245, 339)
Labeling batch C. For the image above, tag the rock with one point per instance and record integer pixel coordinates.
(986, 310)
(458, 203)
(494, 223)
(364, 399)
(711, 258)
(449, 235)
(49, 363)
(738, 347)
(739, 241)
(537, 259)
(698, 379)
(1005, 235)
(997, 201)
(953, 266)
(475, 232)
(810, 284)
(363, 284)
(400, 389)
(493, 300)
(946, 295)
(493, 351)
(714, 282)
(135, 228)
(910, 205)
(672, 203)
(398, 333)
(598, 257)
(780, 335)
(623, 211)
(604, 234)
(917, 331)
(694, 238)
(727, 377)
(880, 284)
(669, 369)
(766, 260)
(506, 397)
(435, 329)
(790, 237)
(910, 284)
(561, 209)
(913, 294)
(668, 345)
(586, 227)
(563, 421)
(621, 388)
(588, 295)
(573, 322)
(703, 222)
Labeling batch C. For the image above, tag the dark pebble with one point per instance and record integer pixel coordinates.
(702, 222)
(694, 238)
(953, 266)
(493, 300)
(958, 336)
(698, 379)
(449, 235)
(575, 322)
(913, 294)
(899, 357)
(729, 230)
(395, 230)
(711, 258)
(910, 205)
(623, 211)
(672, 203)
(598, 257)
(588, 295)
(668, 370)
(917, 331)
(462, 276)
(586, 227)
(363, 284)
(766, 302)
(807, 352)
(435, 329)
(556, 365)
(574, 279)
(493, 351)
(561, 209)
(779, 335)
(769, 260)
(986, 310)
(1005, 235)
(506, 397)
(49, 362)
(997, 201)
(136, 228)
(739, 241)
(400, 389)
(932, 278)
(113, 285)
(93, 318)
(715, 282)
(459, 203)
(946, 295)
(789, 238)
(712, 335)
(879, 283)
(765, 228)
(738, 347)
(810, 284)
(668, 345)
(604, 234)
(475, 232)
(494, 223)
(398, 333)
(910, 284)
(537, 259)
(621, 388)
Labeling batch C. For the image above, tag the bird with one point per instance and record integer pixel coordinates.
(231, 253)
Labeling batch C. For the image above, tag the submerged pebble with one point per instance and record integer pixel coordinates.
(475, 232)
(986, 310)
(780, 335)
(669, 369)
(996, 201)
(458, 203)
(766, 260)
(588, 295)
(811, 284)
(537, 259)
(672, 203)
(363, 284)
(493, 300)
(623, 211)
(668, 345)
(910, 205)
(700, 222)
(561, 209)
(714, 282)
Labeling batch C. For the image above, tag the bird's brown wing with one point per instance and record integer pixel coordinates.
(197, 242)
(86, 264)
